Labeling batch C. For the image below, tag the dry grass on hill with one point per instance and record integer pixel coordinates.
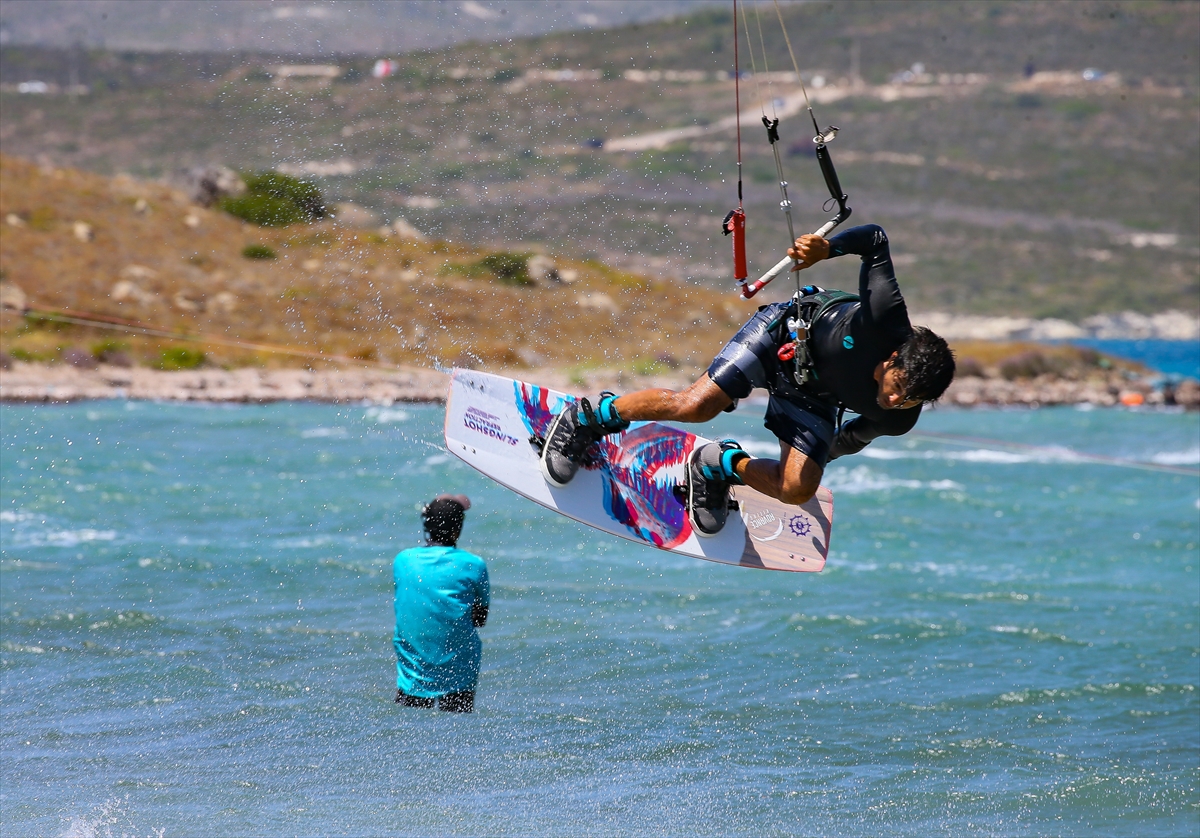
(140, 251)
(148, 255)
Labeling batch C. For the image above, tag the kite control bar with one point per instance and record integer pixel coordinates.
(749, 289)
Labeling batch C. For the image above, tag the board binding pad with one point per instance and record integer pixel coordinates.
(494, 424)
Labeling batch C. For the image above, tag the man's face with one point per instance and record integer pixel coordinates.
(893, 387)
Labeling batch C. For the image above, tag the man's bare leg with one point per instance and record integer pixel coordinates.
(698, 403)
(793, 478)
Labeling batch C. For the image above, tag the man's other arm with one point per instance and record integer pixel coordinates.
(483, 601)
(877, 285)
(861, 431)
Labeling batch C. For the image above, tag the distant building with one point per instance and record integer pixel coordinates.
(305, 72)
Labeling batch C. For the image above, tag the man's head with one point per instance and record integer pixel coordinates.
(918, 372)
(443, 517)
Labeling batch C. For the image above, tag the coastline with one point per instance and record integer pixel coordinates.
(25, 382)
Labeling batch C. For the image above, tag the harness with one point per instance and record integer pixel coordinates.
(806, 308)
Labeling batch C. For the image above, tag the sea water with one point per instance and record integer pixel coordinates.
(196, 621)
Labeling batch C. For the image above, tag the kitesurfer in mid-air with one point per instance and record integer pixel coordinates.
(860, 354)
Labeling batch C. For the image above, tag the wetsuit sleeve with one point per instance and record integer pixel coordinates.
(858, 433)
(882, 303)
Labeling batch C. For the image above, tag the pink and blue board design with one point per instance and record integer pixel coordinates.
(638, 488)
(627, 487)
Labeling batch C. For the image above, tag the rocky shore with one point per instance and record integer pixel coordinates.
(56, 383)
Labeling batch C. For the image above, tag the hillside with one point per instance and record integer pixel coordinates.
(139, 251)
(1008, 183)
(123, 273)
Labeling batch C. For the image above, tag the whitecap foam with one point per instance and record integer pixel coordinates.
(319, 433)
(303, 542)
(387, 415)
(1177, 458)
(760, 448)
(862, 479)
(974, 455)
(63, 538)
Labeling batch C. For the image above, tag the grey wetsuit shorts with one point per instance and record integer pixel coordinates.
(804, 422)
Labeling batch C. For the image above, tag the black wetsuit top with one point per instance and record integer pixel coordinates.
(850, 340)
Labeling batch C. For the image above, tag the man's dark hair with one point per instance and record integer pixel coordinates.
(928, 364)
(443, 521)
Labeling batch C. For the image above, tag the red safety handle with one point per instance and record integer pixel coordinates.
(735, 224)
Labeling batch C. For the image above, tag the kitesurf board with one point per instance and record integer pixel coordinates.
(492, 424)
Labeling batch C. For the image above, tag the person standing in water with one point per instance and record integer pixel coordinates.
(442, 598)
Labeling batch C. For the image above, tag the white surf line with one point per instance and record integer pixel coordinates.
(1098, 459)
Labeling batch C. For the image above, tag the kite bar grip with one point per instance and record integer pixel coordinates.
(831, 178)
(749, 289)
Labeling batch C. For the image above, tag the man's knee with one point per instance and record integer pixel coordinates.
(799, 494)
(798, 489)
(701, 402)
(697, 411)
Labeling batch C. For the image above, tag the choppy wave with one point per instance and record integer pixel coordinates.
(1190, 457)
(1034, 633)
(760, 448)
(325, 433)
(863, 479)
(387, 415)
(974, 455)
(1149, 690)
(61, 538)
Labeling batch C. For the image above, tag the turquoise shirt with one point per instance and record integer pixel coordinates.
(437, 647)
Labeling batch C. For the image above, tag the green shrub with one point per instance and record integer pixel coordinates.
(508, 268)
(22, 354)
(258, 251)
(272, 199)
(180, 358)
(299, 192)
(1078, 109)
(263, 210)
(35, 321)
(107, 348)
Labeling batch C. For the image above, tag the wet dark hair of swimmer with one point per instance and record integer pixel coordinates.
(443, 517)
(928, 365)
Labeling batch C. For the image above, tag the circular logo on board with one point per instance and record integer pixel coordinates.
(800, 526)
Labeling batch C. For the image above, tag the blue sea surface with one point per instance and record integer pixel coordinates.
(1179, 358)
(195, 611)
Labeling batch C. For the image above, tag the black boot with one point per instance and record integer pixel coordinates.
(573, 432)
(709, 475)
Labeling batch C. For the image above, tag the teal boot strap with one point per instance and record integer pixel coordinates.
(610, 419)
(729, 458)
